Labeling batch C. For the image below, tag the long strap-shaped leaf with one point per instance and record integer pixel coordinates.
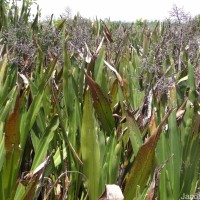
(101, 105)
(90, 148)
(134, 132)
(143, 163)
(12, 147)
(71, 148)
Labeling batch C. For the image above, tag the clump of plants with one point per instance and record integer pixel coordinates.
(85, 104)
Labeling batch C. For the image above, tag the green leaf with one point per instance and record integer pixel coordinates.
(90, 148)
(8, 88)
(12, 147)
(98, 70)
(113, 92)
(183, 79)
(191, 83)
(20, 192)
(101, 105)
(35, 140)
(114, 161)
(191, 167)
(29, 118)
(134, 132)
(44, 142)
(143, 164)
(67, 81)
(174, 145)
(3, 66)
(2, 152)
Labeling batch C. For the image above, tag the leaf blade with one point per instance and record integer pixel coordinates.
(143, 163)
(101, 105)
(90, 149)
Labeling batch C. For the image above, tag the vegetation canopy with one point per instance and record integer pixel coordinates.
(87, 104)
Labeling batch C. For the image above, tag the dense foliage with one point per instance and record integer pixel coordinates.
(88, 103)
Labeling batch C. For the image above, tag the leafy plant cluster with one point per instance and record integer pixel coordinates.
(85, 104)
